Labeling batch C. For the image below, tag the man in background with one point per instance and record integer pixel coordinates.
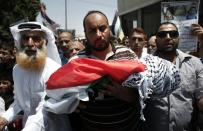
(138, 41)
(178, 111)
(74, 47)
(64, 38)
(151, 45)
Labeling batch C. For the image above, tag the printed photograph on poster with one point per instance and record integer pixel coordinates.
(183, 14)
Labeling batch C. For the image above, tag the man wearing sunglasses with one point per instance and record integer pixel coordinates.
(178, 111)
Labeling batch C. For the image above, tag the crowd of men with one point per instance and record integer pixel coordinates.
(26, 69)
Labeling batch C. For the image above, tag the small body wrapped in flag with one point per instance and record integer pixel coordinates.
(80, 79)
(69, 84)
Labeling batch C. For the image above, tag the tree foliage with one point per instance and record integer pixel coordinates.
(12, 11)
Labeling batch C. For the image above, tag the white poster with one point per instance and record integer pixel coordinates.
(183, 14)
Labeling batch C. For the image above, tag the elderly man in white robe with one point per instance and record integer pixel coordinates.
(37, 58)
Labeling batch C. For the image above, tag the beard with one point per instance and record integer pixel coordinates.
(103, 47)
(35, 61)
(166, 48)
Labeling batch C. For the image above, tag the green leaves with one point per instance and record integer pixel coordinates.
(12, 11)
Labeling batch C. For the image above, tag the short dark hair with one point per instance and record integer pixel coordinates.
(138, 30)
(167, 23)
(93, 12)
(68, 32)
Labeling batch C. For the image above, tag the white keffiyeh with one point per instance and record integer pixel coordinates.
(52, 51)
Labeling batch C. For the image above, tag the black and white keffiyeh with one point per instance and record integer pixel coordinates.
(159, 80)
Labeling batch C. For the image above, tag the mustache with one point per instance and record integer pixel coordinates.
(32, 51)
(35, 61)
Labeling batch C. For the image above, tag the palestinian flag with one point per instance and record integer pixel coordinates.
(72, 79)
(83, 71)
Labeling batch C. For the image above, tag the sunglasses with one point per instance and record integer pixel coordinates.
(163, 34)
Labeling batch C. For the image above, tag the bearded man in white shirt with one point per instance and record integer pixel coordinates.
(37, 58)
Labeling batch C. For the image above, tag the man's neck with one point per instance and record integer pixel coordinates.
(102, 54)
(138, 52)
(170, 56)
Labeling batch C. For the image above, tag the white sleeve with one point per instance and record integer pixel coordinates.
(12, 111)
(2, 105)
(35, 122)
(15, 107)
(33, 127)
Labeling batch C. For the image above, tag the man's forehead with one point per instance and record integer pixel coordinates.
(167, 27)
(96, 14)
(138, 35)
(65, 35)
(95, 17)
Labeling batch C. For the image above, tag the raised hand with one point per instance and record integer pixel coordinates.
(198, 31)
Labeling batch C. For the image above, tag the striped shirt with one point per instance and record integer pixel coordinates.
(109, 113)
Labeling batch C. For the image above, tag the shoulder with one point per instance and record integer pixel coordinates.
(51, 64)
(49, 60)
(122, 52)
(121, 48)
(187, 57)
(50, 67)
(80, 54)
(190, 60)
(17, 69)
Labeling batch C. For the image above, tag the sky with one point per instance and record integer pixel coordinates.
(76, 10)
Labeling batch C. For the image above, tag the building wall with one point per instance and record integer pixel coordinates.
(127, 21)
(148, 18)
(126, 6)
(151, 18)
